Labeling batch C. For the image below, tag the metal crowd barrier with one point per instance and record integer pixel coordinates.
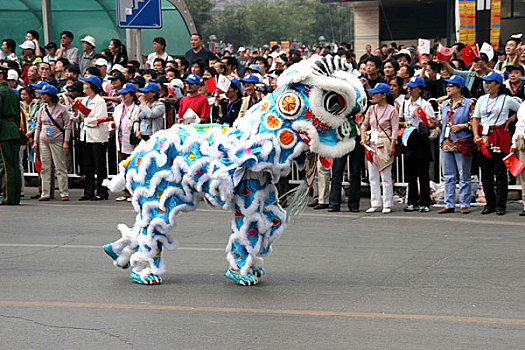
(74, 166)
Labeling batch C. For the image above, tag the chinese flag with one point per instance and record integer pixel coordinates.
(83, 109)
(513, 164)
(469, 53)
(369, 154)
(485, 150)
(444, 54)
(211, 85)
(422, 115)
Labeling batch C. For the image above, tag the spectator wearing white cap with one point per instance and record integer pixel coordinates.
(12, 79)
(102, 65)
(66, 49)
(28, 53)
(242, 60)
(88, 46)
(159, 48)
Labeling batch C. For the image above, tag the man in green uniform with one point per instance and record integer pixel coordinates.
(10, 181)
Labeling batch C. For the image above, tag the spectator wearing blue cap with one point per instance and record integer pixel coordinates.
(457, 145)
(151, 111)
(95, 135)
(490, 126)
(251, 98)
(383, 120)
(126, 122)
(194, 100)
(226, 110)
(52, 133)
(417, 151)
(473, 81)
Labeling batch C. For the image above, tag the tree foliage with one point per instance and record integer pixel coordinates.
(258, 23)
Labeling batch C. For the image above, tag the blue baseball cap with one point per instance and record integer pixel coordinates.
(194, 79)
(150, 87)
(255, 67)
(38, 85)
(93, 79)
(237, 83)
(251, 79)
(416, 82)
(128, 87)
(493, 76)
(48, 89)
(380, 88)
(456, 80)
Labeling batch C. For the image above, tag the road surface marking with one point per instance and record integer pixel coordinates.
(319, 313)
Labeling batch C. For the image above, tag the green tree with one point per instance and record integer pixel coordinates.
(260, 22)
(200, 11)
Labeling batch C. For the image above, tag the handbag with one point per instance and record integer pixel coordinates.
(466, 147)
(134, 140)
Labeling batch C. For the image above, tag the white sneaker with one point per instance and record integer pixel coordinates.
(372, 210)
(387, 210)
(129, 199)
(121, 199)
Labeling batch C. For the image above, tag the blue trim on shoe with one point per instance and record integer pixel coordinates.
(109, 251)
(150, 279)
(249, 280)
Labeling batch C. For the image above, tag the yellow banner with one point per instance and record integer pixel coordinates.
(495, 23)
(467, 21)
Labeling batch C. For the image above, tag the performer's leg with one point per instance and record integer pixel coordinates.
(249, 227)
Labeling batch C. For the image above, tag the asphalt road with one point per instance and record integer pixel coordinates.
(345, 280)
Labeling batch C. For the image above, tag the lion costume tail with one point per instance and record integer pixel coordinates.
(117, 183)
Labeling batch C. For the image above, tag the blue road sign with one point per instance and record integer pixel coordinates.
(139, 14)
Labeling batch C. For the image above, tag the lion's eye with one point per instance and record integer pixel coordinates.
(333, 102)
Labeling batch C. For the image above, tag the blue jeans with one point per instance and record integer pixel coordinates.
(452, 162)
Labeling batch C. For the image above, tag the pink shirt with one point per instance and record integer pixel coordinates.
(382, 119)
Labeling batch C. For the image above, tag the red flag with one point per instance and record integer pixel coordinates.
(444, 54)
(327, 162)
(422, 116)
(369, 154)
(469, 53)
(83, 109)
(514, 165)
(171, 91)
(38, 164)
(484, 149)
(211, 85)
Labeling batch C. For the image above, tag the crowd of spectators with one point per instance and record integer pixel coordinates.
(94, 104)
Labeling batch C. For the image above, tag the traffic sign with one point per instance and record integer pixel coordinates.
(139, 14)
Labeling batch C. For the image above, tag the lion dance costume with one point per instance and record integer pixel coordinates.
(310, 116)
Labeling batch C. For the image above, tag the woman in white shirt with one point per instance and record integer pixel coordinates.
(412, 114)
(159, 48)
(489, 125)
(126, 121)
(518, 143)
(95, 131)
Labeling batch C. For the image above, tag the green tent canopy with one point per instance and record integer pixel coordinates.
(94, 17)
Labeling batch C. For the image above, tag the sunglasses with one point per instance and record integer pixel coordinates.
(451, 85)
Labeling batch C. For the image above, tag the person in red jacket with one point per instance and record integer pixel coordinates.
(194, 100)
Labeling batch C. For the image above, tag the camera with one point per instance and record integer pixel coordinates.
(262, 88)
